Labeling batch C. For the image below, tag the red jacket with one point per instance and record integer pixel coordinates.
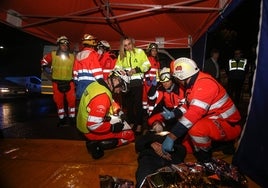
(205, 97)
(149, 76)
(107, 62)
(86, 69)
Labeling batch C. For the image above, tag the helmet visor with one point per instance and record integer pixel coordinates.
(64, 42)
(165, 77)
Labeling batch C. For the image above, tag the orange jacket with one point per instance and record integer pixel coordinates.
(205, 97)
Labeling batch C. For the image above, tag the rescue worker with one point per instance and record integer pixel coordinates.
(107, 59)
(166, 95)
(151, 76)
(208, 114)
(135, 62)
(59, 63)
(87, 67)
(100, 119)
(237, 70)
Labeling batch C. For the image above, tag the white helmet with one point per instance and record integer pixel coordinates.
(124, 78)
(62, 40)
(104, 44)
(164, 74)
(183, 68)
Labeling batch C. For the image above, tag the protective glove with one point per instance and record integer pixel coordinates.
(175, 113)
(154, 82)
(148, 82)
(167, 145)
(117, 127)
(167, 114)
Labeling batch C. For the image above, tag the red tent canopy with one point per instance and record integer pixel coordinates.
(170, 23)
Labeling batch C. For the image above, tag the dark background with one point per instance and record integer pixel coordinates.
(22, 52)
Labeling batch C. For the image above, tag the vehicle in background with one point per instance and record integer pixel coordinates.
(10, 89)
(32, 84)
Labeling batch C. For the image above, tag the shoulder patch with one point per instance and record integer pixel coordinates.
(101, 109)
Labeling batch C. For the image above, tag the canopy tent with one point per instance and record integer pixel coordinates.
(170, 23)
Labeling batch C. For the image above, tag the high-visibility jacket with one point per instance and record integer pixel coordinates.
(86, 119)
(86, 69)
(209, 113)
(237, 68)
(133, 59)
(93, 109)
(62, 66)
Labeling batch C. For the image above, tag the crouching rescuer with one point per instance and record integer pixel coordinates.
(100, 119)
(208, 114)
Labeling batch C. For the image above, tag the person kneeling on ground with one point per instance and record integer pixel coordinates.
(99, 119)
(208, 114)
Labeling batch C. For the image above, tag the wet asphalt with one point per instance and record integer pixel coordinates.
(33, 117)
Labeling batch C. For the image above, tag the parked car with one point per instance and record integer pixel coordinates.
(31, 83)
(10, 89)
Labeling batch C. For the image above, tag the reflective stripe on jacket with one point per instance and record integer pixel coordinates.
(237, 65)
(208, 98)
(133, 59)
(94, 89)
(154, 70)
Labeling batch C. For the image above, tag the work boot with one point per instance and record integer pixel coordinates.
(62, 123)
(94, 149)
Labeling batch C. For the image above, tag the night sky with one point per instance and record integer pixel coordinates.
(23, 52)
